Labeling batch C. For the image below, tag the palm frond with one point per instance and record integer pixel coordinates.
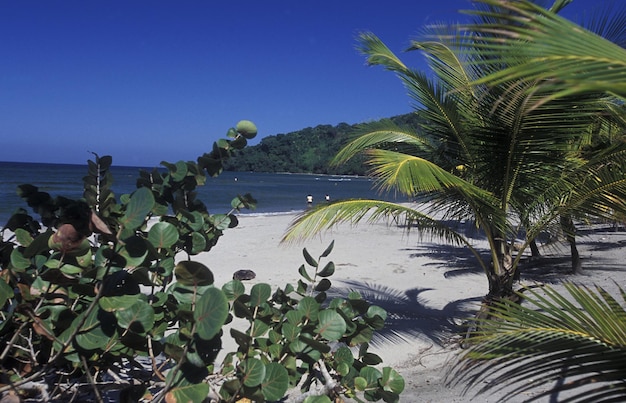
(580, 336)
(445, 120)
(353, 211)
(530, 40)
(383, 134)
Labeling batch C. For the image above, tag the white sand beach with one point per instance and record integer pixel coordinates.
(426, 286)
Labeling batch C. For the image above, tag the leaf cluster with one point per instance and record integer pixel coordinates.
(102, 294)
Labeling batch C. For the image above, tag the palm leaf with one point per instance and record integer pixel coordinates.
(326, 216)
(580, 336)
(531, 42)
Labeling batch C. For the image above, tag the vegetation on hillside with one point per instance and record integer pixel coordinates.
(309, 150)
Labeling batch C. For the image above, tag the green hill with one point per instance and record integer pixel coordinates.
(309, 150)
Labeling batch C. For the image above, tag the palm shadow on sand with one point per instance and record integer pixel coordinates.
(408, 313)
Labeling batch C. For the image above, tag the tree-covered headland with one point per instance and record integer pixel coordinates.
(309, 150)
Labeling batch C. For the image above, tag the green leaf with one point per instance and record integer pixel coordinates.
(211, 313)
(6, 292)
(196, 393)
(233, 289)
(360, 383)
(18, 260)
(221, 221)
(392, 381)
(260, 328)
(371, 376)
(331, 325)
(276, 382)
(323, 285)
(309, 308)
(328, 249)
(371, 359)
(140, 204)
(112, 304)
(134, 251)
(139, 318)
(290, 332)
(253, 372)
(304, 274)
(198, 243)
(23, 237)
(344, 355)
(163, 235)
(192, 273)
(309, 259)
(317, 399)
(259, 294)
(70, 270)
(328, 270)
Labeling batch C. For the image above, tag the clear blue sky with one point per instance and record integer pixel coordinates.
(146, 81)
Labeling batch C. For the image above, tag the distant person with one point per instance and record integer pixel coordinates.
(309, 199)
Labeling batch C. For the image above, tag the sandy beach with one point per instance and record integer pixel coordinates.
(427, 287)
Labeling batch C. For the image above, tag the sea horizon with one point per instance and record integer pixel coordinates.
(276, 193)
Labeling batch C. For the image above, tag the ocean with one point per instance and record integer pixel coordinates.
(275, 193)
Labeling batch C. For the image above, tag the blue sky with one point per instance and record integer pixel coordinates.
(146, 81)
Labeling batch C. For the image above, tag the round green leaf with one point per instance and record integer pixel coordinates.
(211, 313)
(198, 243)
(233, 289)
(139, 318)
(309, 308)
(371, 376)
(18, 261)
(253, 372)
(331, 325)
(392, 381)
(259, 294)
(290, 332)
(360, 383)
(193, 273)
(276, 382)
(138, 207)
(163, 235)
(221, 221)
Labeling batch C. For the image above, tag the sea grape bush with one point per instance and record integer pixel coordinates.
(101, 298)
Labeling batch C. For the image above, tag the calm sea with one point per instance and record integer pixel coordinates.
(275, 193)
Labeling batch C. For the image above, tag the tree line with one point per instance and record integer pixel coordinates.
(309, 150)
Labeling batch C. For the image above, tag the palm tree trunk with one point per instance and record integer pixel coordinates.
(502, 273)
(569, 229)
(534, 249)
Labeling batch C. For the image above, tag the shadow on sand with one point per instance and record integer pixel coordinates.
(409, 315)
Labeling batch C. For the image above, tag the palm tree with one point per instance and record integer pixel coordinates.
(578, 340)
(493, 155)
